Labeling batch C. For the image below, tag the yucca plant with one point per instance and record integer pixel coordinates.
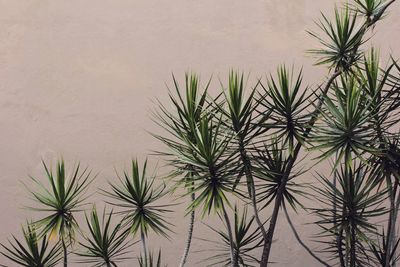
(60, 201)
(180, 124)
(382, 254)
(35, 253)
(247, 238)
(244, 122)
(138, 198)
(341, 53)
(349, 205)
(105, 245)
(213, 165)
(287, 102)
(288, 124)
(151, 260)
(342, 39)
(270, 163)
(346, 121)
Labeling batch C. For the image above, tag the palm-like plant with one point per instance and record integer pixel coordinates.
(341, 52)
(106, 245)
(346, 124)
(384, 255)
(288, 121)
(34, 253)
(64, 198)
(287, 101)
(213, 164)
(242, 120)
(270, 164)
(350, 202)
(343, 38)
(371, 9)
(180, 123)
(136, 195)
(246, 239)
(151, 260)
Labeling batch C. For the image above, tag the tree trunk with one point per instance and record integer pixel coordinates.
(251, 187)
(291, 160)
(190, 233)
(391, 230)
(143, 240)
(233, 251)
(353, 255)
(65, 250)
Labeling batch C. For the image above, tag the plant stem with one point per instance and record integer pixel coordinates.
(234, 252)
(339, 241)
(301, 241)
(65, 252)
(143, 239)
(190, 231)
(250, 186)
(291, 160)
(353, 246)
(391, 231)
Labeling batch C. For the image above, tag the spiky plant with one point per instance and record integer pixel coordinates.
(105, 245)
(349, 205)
(151, 260)
(138, 198)
(287, 101)
(34, 253)
(60, 200)
(382, 254)
(342, 39)
(288, 124)
(270, 163)
(341, 52)
(247, 238)
(242, 119)
(213, 164)
(346, 124)
(179, 124)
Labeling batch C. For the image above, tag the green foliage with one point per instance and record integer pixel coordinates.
(371, 9)
(181, 123)
(270, 164)
(287, 101)
(212, 163)
(240, 114)
(346, 121)
(105, 244)
(34, 253)
(247, 239)
(64, 198)
(151, 260)
(350, 202)
(380, 250)
(136, 194)
(341, 41)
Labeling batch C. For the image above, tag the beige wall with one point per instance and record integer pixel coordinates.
(78, 78)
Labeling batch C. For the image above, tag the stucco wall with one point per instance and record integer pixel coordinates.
(79, 79)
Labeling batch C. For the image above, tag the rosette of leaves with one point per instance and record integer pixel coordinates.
(105, 245)
(247, 238)
(138, 198)
(36, 252)
(350, 203)
(60, 201)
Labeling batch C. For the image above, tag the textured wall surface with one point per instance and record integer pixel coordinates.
(79, 78)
